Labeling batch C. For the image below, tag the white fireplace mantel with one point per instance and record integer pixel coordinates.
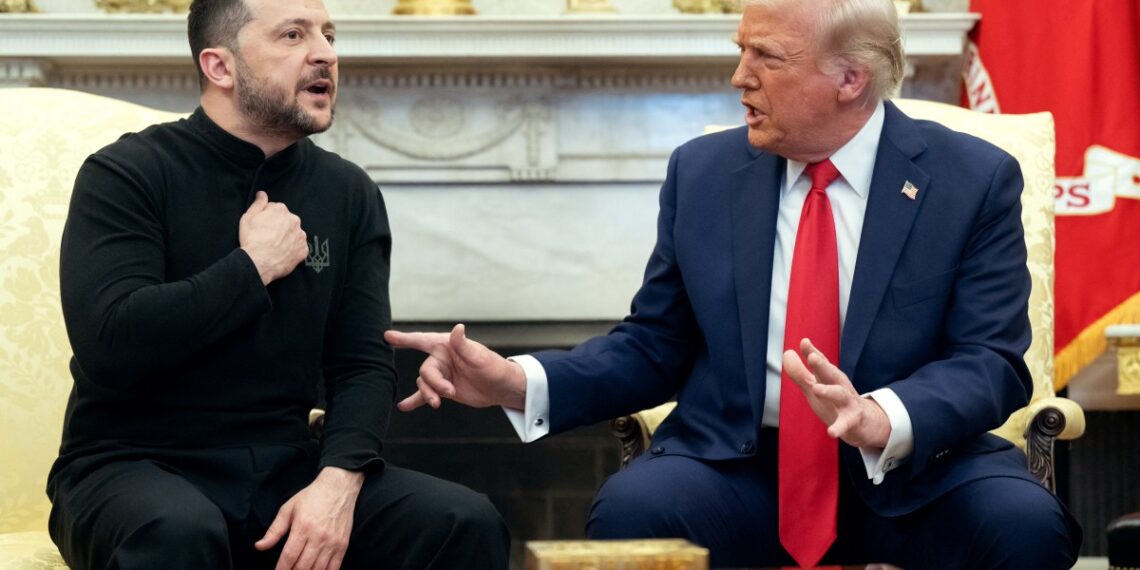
(520, 157)
(111, 38)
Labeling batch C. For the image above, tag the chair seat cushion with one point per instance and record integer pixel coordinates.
(30, 551)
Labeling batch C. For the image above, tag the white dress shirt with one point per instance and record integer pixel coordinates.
(848, 196)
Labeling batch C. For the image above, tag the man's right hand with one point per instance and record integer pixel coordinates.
(272, 237)
(460, 369)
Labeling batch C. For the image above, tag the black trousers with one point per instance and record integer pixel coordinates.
(204, 509)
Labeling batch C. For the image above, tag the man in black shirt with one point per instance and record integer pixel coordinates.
(213, 271)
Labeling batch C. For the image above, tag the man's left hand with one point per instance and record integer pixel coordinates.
(858, 421)
(317, 520)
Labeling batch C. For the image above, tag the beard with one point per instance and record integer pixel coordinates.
(267, 106)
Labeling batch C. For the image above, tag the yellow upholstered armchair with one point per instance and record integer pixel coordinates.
(45, 134)
(1047, 418)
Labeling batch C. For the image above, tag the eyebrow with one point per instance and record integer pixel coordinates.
(756, 42)
(305, 23)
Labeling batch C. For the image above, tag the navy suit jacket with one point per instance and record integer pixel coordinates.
(938, 309)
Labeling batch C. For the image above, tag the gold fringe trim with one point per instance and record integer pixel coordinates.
(1090, 343)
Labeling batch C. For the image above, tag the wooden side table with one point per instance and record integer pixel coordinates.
(1126, 340)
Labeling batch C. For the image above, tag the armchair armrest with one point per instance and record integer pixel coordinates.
(635, 430)
(1034, 428)
(1050, 419)
(1060, 417)
(1037, 426)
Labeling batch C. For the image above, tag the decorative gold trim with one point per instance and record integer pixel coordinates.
(1127, 345)
(144, 6)
(1090, 343)
(1128, 370)
(590, 7)
(433, 8)
(17, 6)
(708, 6)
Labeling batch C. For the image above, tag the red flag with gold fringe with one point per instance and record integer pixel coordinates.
(1080, 60)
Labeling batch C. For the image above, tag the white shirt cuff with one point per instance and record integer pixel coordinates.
(533, 421)
(899, 444)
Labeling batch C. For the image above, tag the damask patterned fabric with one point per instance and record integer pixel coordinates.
(29, 551)
(45, 134)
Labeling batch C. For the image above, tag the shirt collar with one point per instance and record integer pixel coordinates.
(241, 152)
(854, 160)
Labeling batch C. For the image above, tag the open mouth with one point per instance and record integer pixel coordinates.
(321, 87)
(752, 115)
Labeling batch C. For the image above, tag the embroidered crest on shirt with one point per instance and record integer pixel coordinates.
(910, 190)
(318, 258)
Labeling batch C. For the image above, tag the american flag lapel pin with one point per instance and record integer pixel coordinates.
(910, 190)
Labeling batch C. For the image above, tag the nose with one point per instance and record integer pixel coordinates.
(742, 77)
(322, 52)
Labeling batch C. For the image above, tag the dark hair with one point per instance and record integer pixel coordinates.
(214, 23)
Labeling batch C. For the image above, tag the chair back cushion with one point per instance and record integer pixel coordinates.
(45, 135)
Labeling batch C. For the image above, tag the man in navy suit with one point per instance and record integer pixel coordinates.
(932, 318)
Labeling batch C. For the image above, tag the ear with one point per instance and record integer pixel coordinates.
(853, 84)
(218, 66)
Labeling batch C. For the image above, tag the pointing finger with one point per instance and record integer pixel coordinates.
(423, 342)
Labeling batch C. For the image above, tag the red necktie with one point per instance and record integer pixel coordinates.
(808, 458)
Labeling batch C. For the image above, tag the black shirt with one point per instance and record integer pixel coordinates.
(178, 344)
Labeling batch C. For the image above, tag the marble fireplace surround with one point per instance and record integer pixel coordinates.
(520, 157)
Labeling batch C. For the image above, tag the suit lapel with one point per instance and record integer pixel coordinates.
(755, 195)
(886, 226)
